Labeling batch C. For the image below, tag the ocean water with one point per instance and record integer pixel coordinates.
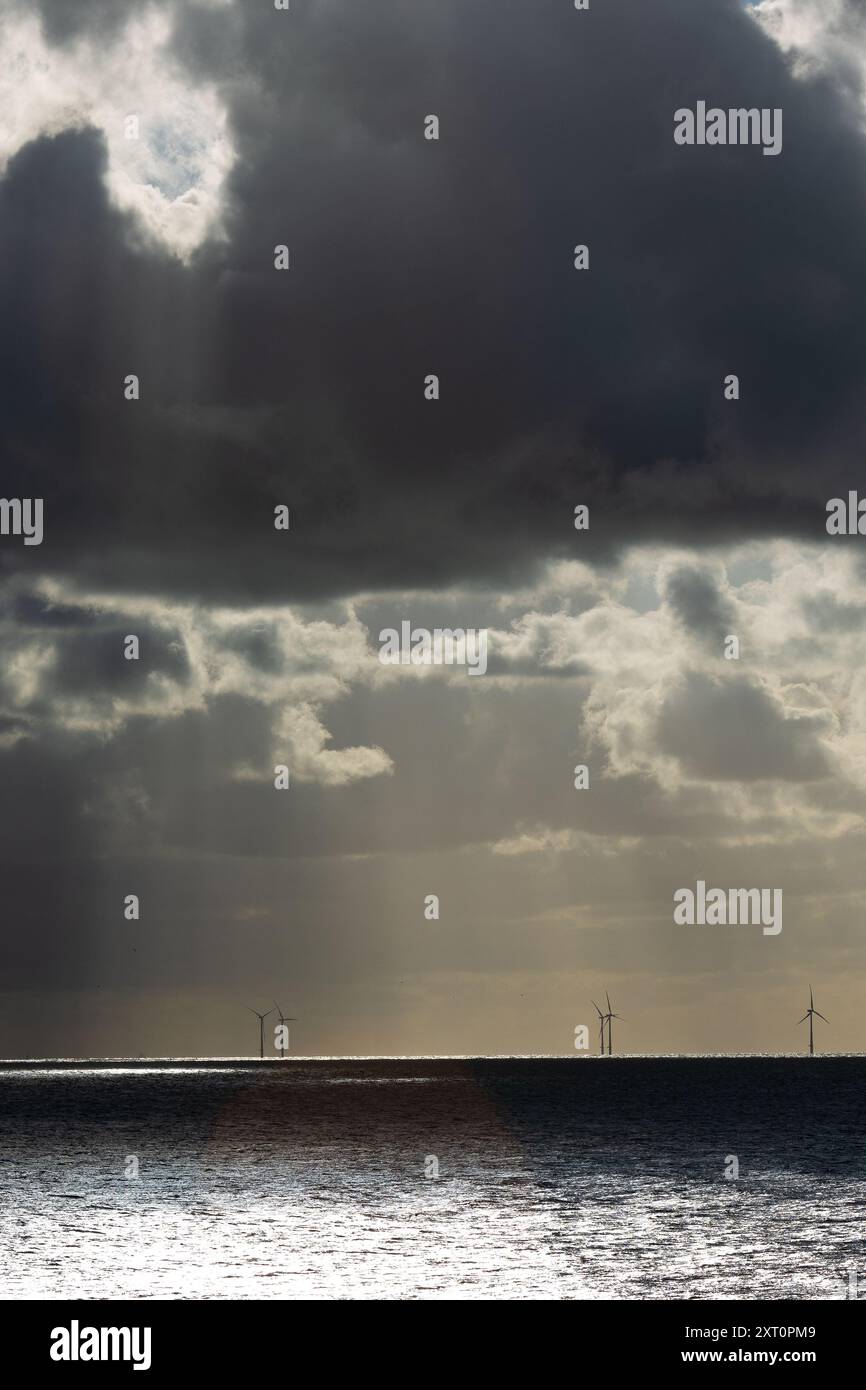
(578, 1178)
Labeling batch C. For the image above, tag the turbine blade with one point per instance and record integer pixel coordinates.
(817, 1015)
(607, 997)
(803, 1019)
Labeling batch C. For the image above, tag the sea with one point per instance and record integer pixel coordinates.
(434, 1178)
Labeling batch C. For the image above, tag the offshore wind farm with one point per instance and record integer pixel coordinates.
(229, 1167)
(280, 1050)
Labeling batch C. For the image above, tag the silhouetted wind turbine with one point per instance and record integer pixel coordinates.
(600, 1025)
(609, 1015)
(261, 1018)
(810, 1013)
(283, 1020)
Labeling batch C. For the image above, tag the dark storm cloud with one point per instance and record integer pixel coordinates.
(94, 662)
(83, 651)
(410, 257)
(32, 610)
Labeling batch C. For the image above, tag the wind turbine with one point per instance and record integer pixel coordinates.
(261, 1018)
(601, 1025)
(283, 1019)
(810, 1013)
(608, 1016)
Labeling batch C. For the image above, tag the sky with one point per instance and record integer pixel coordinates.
(154, 256)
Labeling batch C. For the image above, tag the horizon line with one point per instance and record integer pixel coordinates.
(279, 1062)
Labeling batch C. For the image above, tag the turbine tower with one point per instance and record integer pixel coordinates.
(600, 1026)
(608, 1016)
(811, 1013)
(283, 1019)
(261, 1018)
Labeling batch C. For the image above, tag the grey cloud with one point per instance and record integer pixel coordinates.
(94, 662)
(63, 23)
(826, 613)
(732, 730)
(694, 596)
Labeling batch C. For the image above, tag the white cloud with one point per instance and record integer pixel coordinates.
(541, 839)
(301, 733)
(269, 656)
(817, 35)
(171, 177)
